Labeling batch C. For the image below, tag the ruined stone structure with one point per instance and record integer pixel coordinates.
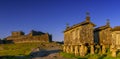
(83, 38)
(33, 36)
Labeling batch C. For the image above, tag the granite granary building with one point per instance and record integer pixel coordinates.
(33, 36)
(83, 38)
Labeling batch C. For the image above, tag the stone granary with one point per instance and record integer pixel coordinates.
(115, 40)
(103, 37)
(83, 38)
(79, 38)
(116, 36)
(33, 36)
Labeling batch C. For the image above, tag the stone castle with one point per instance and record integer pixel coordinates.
(83, 38)
(33, 36)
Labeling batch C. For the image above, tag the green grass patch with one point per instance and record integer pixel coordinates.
(91, 56)
(18, 49)
(67, 55)
(21, 50)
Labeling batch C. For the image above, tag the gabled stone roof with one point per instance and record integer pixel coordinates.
(79, 24)
(101, 28)
(87, 21)
(116, 28)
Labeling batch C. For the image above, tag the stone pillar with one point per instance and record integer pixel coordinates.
(113, 50)
(64, 48)
(103, 49)
(71, 49)
(82, 50)
(76, 51)
(114, 53)
(112, 47)
(92, 49)
(85, 50)
(100, 50)
(67, 49)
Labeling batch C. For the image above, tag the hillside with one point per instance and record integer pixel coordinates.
(22, 49)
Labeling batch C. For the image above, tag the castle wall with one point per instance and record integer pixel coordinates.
(27, 38)
(19, 33)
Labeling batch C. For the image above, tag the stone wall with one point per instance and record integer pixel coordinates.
(17, 33)
(44, 37)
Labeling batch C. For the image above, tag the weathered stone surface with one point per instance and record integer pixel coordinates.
(76, 51)
(92, 49)
(116, 38)
(82, 50)
(103, 49)
(86, 50)
(71, 49)
(33, 36)
(67, 49)
(79, 34)
(64, 48)
(114, 53)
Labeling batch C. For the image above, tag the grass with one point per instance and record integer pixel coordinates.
(67, 55)
(89, 56)
(21, 50)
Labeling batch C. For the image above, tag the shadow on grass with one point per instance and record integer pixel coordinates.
(14, 57)
(102, 57)
(68, 55)
(82, 58)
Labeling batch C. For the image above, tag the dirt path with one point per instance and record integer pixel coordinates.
(49, 53)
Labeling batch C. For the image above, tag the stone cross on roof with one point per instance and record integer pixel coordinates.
(67, 25)
(87, 17)
(108, 22)
(87, 13)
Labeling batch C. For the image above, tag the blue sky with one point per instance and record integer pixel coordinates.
(52, 15)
